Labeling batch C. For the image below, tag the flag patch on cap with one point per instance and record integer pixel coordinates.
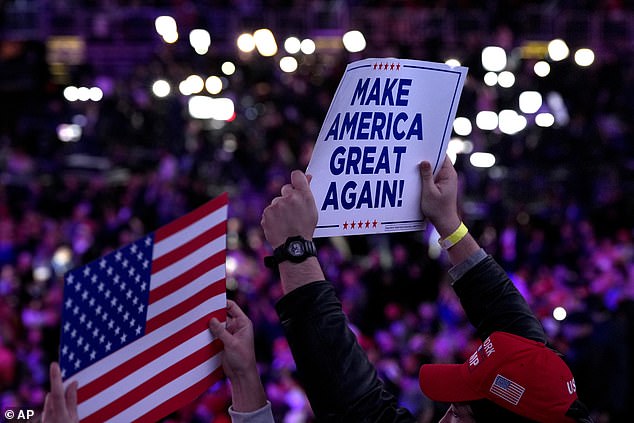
(507, 389)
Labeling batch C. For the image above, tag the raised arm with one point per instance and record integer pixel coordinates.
(339, 380)
(239, 364)
(293, 213)
(488, 296)
(439, 203)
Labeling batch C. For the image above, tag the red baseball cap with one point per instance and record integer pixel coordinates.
(516, 373)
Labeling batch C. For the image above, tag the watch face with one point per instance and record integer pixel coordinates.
(295, 249)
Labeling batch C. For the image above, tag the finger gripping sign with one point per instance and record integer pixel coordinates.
(386, 116)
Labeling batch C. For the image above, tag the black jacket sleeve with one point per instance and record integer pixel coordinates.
(493, 303)
(339, 380)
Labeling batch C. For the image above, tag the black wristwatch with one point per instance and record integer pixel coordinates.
(296, 249)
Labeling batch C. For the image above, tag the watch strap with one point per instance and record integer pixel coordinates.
(281, 254)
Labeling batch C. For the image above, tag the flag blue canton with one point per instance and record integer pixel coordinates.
(502, 382)
(108, 301)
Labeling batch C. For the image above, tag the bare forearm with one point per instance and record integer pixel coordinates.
(295, 275)
(247, 392)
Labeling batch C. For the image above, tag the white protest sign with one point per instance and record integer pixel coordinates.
(386, 116)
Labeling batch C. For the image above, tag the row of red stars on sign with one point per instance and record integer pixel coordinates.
(387, 66)
(360, 224)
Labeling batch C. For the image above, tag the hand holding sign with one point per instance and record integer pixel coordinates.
(385, 118)
(293, 213)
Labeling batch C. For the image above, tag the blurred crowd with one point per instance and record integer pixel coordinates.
(556, 211)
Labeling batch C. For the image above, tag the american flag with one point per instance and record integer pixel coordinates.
(507, 389)
(135, 322)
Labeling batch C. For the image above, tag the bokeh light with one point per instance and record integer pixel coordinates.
(493, 58)
(354, 41)
(246, 42)
(558, 50)
(161, 88)
(288, 64)
(584, 57)
(487, 120)
(483, 160)
(506, 79)
(462, 126)
(530, 101)
(292, 45)
(265, 42)
(308, 46)
(541, 68)
(228, 68)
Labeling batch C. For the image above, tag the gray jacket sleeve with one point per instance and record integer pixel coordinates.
(262, 415)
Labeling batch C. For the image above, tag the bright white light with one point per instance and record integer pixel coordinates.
(213, 84)
(510, 122)
(246, 43)
(228, 68)
(68, 132)
(192, 85)
(545, 120)
(482, 159)
(457, 146)
(202, 107)
(541, 68)
(165, 25)
(308, 46)
(288, 64)
(171, 37)
(200, 40)
(558, 50)
(292, 45)
(95, 94)
(530, 101)
(559, 313)
(354, 41)
(71, 93)
(161, 88)
(453, 63)
(265, 42)
(490, 78)
(184, 88)
(584, 57)
(493, 58)
(462, 126)
(83, 93)
(506, 79)
(487, 120)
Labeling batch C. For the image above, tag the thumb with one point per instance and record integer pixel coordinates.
(218, 329)
(426, 173)
(299, 180)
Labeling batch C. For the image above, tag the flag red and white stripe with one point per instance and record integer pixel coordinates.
(175, 358)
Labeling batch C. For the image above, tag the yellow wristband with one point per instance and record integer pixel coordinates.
(454, 238)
